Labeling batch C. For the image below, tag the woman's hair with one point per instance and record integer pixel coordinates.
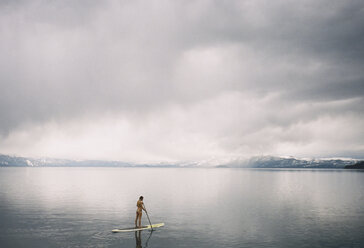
(141, 198)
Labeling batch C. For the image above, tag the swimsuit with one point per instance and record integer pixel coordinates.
(140, 209)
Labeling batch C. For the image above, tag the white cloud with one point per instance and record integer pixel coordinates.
(163, 80)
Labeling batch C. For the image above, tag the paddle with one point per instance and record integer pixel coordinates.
(148, 217)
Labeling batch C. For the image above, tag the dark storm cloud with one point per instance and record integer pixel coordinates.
(64, 60)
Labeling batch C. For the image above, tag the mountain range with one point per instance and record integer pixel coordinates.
(253, 162)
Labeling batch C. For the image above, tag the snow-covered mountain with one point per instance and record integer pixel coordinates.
(6, 160)
(290, 162)
(253, 162)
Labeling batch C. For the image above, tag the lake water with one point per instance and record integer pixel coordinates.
(78, 207)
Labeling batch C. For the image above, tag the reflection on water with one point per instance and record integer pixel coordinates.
(138, 239)
(78, 207)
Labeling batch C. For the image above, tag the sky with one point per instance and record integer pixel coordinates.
(181, 80)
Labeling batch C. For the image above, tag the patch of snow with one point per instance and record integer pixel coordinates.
(29, 163)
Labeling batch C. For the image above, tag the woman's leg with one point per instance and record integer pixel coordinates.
(136, 218)
(140, 219)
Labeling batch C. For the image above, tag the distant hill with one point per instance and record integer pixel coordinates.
(13, 161)
(6, 160)
(254, 162)
(358, 165)
(279, 162)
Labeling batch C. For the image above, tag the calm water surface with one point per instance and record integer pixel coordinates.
(78, 207)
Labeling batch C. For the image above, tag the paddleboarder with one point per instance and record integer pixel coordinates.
(140, 208)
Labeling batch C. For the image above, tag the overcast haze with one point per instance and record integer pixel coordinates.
(181, 80)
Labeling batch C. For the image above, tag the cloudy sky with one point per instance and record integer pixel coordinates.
(181, 80)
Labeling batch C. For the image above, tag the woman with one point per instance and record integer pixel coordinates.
(140, 208)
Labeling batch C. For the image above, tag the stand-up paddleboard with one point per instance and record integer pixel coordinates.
(133, 229)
